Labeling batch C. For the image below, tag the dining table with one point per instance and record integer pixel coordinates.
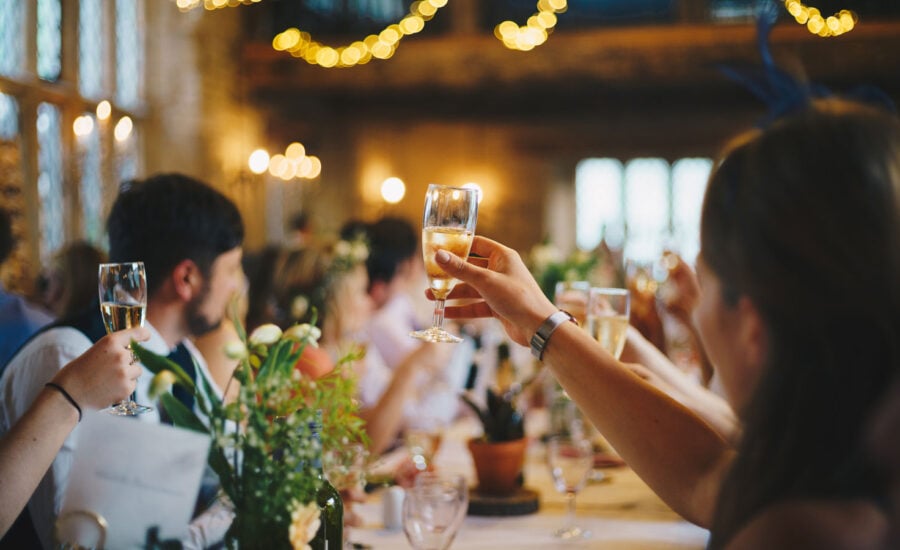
(619, 510)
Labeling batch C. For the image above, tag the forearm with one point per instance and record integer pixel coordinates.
(29, 448)
(709, 406)
(676, 453)
(383, 420)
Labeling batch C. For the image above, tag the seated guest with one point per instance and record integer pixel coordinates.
(69, 285)
(332, 280)
(18, 319)
(189, 237)
(104, 374)
(800, 276)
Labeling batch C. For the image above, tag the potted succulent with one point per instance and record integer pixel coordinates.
(499, 454)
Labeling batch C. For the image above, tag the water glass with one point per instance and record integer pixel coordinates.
(434, 509)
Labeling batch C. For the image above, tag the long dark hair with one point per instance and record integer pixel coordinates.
(802, 219)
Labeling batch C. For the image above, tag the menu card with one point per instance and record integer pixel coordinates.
(129, 476)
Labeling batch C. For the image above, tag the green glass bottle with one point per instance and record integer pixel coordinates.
(330, 535)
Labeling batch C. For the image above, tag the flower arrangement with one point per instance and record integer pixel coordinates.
(265, 448)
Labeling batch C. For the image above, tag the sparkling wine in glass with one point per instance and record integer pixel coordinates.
(449, 224)
(571, 462)
(607, 318)
(123, 305)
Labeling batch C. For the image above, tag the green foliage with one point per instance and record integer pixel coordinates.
(263, 448)
(501, 420)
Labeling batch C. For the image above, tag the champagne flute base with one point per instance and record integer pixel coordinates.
(127, 408)
(435, 334)
(571, 533)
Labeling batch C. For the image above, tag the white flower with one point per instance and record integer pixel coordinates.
(266, 335)
(304, 524)
(161, 383)
(304, 333)
(235, 350)
(359, 251)
(343, 248)
(299, 307)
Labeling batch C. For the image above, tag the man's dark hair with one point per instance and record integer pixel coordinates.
(7, 241)
(168, 218)
(391, 242)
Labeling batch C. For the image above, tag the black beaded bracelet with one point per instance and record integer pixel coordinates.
(65, 394)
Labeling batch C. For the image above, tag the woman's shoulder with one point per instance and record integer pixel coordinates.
(825, 524)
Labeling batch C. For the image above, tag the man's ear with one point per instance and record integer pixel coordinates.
(187, 280)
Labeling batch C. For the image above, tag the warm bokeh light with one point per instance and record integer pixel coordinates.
(276, 164)
(258, 161)
(295, 151)
(123, 128)
(393, 190)
(316, 168)
(104, 110)
(83, 125)
(477, 188)
(834, 25)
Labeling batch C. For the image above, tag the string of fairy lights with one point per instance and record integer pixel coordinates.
(834, 25)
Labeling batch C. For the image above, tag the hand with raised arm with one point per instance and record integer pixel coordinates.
(504, 289)
(102, 375)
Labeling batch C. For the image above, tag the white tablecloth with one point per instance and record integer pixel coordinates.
(621, 511)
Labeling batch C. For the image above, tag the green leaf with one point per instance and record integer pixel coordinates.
(157, 363)
(182, 416)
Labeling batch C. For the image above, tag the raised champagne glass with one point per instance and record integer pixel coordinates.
(123, 305)
(607, 318)
(449, 224)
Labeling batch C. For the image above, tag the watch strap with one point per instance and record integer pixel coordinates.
(543, 333)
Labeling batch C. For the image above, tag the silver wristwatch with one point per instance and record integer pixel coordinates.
(542, 336)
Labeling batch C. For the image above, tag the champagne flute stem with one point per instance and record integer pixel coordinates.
(438, 319)
(570, 510)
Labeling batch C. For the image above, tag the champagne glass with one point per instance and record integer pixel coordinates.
(449, 224)
(123, 305)
(607, 318)
(572, 296)
(571, 462)
(434, 509)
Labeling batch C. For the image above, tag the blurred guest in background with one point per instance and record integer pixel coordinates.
(18, 318)
(69, 284)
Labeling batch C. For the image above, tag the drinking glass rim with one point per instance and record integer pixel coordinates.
(454, 187)
(612, 291)
(108, 264)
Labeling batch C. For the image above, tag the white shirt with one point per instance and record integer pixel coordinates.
(24, 379)
(388, 330)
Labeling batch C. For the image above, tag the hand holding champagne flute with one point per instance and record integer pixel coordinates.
(123, 305)
(449, 224)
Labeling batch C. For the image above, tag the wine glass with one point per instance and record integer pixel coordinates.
(571, 461)
(449, 224)
(434, 509)
(607, 318)
(123, 305)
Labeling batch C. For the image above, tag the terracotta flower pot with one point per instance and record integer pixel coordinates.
(498, 465)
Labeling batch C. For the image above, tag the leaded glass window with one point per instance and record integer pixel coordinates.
(12, 37)
(91, 185)
(598, 208)
(129, 58)
(689, 177)
(49, 39)
(91, 48)
(646, 208)
(127, 156)
(50, 191)
(9, 117)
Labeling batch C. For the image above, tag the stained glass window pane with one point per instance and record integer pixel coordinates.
(49, 39)
(598, 203)
(9, 117)
(50, 192)
(646, 208)
(12, 37)
(129, 51)
(688, 186)
(90, 48)
(91, 185)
